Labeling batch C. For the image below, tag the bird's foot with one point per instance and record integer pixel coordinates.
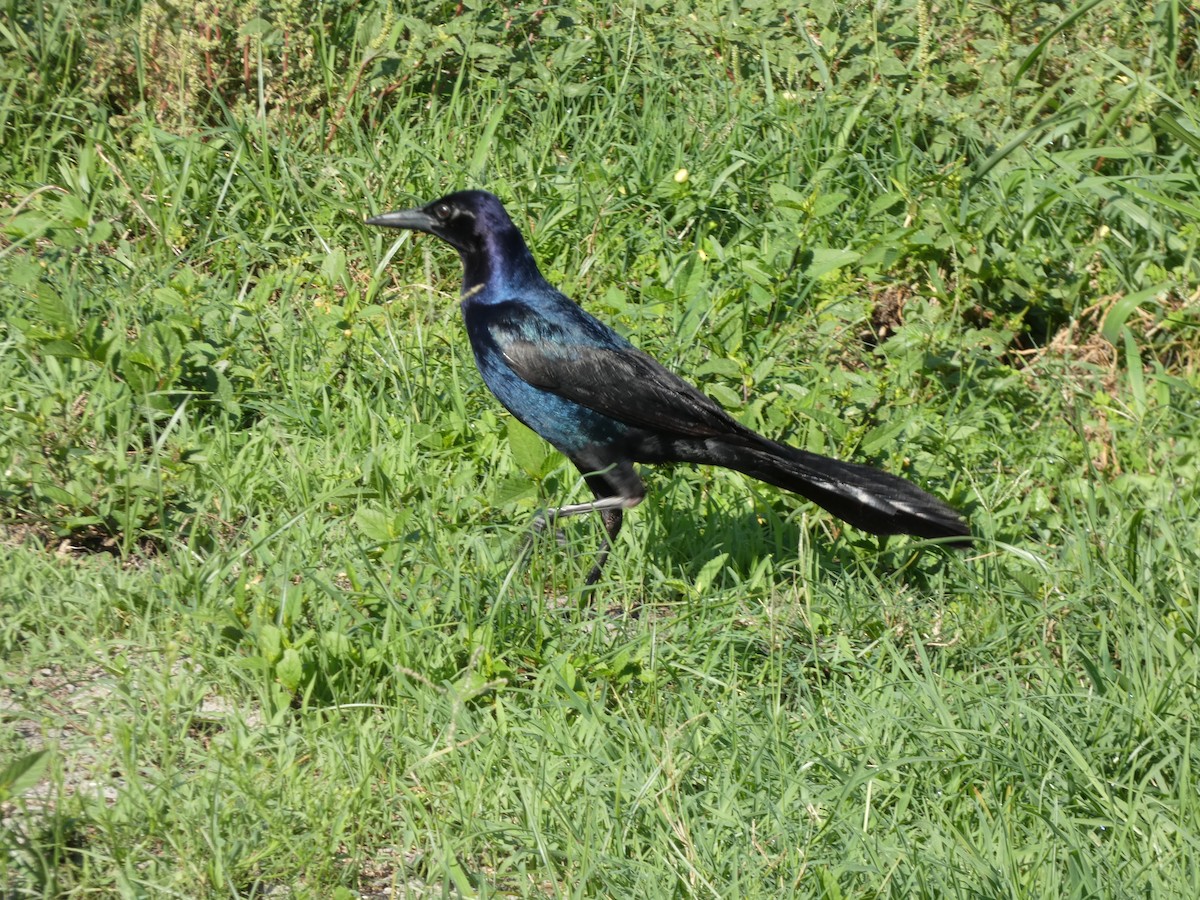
(541, 522)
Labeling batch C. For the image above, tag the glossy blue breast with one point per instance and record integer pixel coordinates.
(565, 424)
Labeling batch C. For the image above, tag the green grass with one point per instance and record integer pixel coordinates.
(261, 625)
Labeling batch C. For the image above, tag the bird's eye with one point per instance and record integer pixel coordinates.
(442, 211)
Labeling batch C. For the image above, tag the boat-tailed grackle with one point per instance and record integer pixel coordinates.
(607, 405)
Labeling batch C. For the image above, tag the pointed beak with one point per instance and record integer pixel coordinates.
(415, 219)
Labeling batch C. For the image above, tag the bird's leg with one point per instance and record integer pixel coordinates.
(601, 504)
(612, 524)
(611, 511)
(616, 487)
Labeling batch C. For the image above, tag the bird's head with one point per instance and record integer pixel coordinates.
(475, 224)
(467, 220)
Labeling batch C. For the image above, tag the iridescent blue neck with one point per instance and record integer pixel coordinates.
(502, 264)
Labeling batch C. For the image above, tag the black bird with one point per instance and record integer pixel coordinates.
(606, 405)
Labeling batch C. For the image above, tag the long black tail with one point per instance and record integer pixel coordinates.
(867, 498)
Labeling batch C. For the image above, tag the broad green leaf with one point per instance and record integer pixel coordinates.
(528, 450)
(290, 670)
(23, 773)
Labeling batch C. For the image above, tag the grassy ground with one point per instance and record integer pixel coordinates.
(262, 632)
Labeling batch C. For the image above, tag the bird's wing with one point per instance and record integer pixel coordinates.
(596, 369)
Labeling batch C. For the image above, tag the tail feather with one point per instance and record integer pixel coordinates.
(867, 498)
